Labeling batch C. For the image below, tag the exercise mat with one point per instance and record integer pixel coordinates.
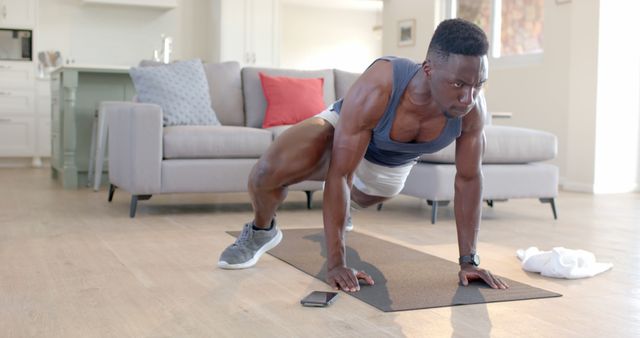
(405, 279)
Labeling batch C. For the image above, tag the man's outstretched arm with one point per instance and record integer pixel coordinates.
(361, 109)
(468, 194)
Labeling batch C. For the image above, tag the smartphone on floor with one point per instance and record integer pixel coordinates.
(319, 298)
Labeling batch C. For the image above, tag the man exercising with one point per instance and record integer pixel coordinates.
(364, 146)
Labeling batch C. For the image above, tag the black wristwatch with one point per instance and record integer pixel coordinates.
(472, 259)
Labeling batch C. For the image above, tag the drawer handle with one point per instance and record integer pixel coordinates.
(4, 11)
(5, 120)
(5, 93)
(5, 67)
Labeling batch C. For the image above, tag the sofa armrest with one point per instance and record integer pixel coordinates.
(135, 146)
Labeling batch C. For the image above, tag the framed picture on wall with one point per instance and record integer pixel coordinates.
(406, 32)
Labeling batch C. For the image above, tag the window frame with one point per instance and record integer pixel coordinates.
(495, 58)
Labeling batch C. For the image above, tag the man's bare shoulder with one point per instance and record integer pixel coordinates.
(379, 74)
(368, 97)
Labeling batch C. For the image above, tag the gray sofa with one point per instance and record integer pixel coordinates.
(146, 158)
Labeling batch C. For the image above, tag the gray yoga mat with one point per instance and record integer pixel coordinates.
(405, 279)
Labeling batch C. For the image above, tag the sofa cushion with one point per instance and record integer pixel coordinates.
(225, 88)
(344, 81)
(255, 103)
(290, 100)
(214, 142)
(181, 90)
(507, 145)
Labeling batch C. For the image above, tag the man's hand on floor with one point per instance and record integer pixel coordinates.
(346, 279)
(470, 273)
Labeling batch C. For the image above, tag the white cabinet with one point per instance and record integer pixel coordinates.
(16, 74)
(17, 136)
(17, 13)
(18, 130)
(17, 101)
(247, 31)
(21, 127)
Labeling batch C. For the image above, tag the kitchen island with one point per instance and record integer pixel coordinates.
(76, 92)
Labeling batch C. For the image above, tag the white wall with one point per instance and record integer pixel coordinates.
(425, 12)
(120, 35)
(577, 164)
(618, 102)
(316, 37)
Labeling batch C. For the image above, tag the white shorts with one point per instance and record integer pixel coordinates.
(371, 178)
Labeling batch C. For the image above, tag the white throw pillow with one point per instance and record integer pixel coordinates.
(180, 88)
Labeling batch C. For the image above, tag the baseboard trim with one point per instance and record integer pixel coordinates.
(576, 186)
(24, 162)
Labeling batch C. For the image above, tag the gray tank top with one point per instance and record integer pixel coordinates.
(382, 149)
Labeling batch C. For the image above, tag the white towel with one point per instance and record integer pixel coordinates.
(561, 262)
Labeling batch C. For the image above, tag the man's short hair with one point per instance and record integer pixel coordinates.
(458, 36)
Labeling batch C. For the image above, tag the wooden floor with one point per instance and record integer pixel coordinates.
(73, 265)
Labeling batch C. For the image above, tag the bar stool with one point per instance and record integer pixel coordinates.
(98, 148)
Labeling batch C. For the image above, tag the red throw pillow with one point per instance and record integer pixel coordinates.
(291, 100)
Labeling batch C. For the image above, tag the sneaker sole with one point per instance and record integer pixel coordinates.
(268, 246)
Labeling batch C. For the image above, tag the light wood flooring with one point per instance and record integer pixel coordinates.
(73, 265)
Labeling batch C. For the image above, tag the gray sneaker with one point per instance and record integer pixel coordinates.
(249, 246)
(349, 226)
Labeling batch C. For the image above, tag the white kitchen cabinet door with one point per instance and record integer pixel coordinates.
(232, 31)
(17, 101)
(18, 13)
(17, 136)
(248, 32)
(262, 37)
(16, 74)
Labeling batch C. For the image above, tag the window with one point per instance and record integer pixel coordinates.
(514, 27)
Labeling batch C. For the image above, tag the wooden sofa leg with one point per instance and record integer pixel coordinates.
(134, 203)
(551, 201)
(309, 196)
(112, 189)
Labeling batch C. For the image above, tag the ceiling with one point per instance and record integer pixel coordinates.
(372, 5)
